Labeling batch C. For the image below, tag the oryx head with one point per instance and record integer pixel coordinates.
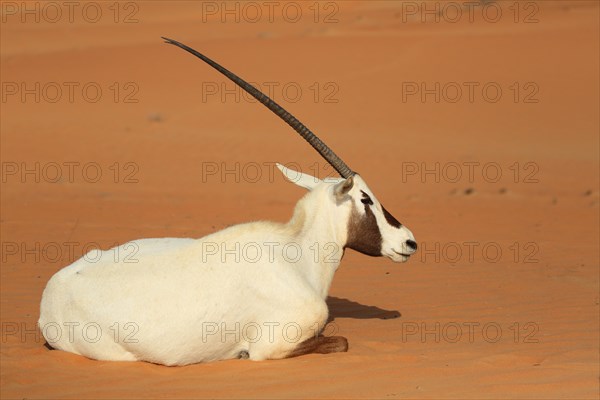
(371, 229)
(367, 226)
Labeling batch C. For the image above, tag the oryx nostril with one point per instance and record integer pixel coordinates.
(411, 244)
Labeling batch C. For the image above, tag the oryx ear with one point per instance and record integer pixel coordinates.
(304, 180)
(342, 188)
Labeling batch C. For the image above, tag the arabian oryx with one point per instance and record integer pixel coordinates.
(255, 290)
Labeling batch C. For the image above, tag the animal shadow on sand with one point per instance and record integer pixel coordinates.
(344, 308)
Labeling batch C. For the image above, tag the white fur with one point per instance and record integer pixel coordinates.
(160, 300)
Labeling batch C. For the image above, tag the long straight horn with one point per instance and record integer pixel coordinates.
(298, 126)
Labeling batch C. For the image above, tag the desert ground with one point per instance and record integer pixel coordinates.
(476, 125)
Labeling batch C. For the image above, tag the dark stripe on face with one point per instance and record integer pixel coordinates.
(390, 218)
(366, 199)
(363, 233)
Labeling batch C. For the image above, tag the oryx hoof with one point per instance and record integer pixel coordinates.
(243, 355)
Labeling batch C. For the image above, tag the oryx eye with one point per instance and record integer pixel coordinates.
(366, 199)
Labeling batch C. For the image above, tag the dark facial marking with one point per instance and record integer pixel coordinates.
(390, 218)
(363, 233)
(366, 199)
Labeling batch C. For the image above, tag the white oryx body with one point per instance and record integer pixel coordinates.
(255, 290)
(258, 287)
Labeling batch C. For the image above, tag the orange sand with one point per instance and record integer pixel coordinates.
(402, 320)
